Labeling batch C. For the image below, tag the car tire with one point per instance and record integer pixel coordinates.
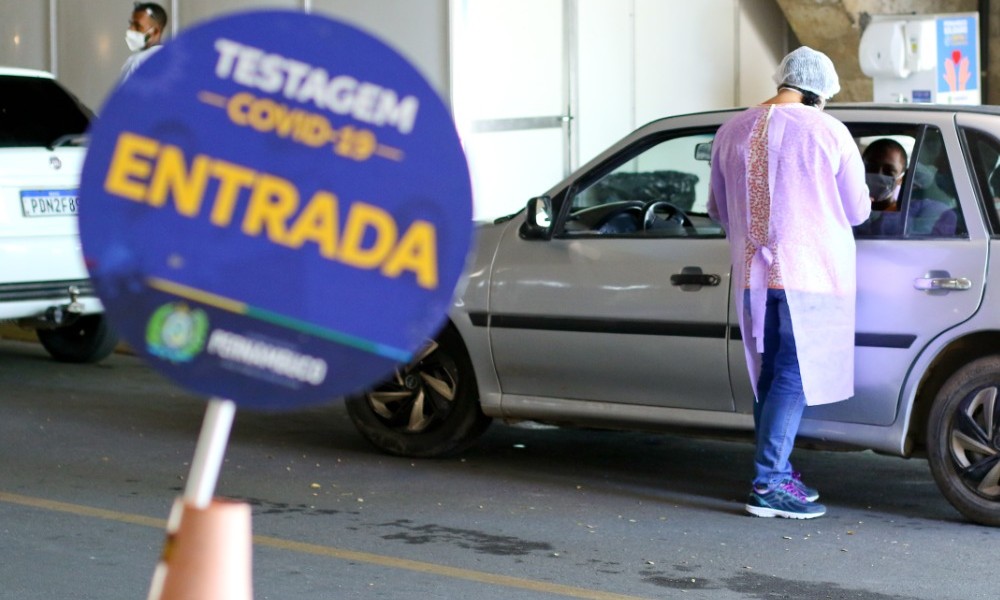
(89, 339)
(429, 408)
(963, 440)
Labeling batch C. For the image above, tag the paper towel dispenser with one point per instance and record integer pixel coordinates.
(883, 50)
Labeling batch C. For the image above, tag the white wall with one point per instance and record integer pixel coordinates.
(610, 65)
(606, 47)
(631, 60)
(417, 29)
(763, 41)
(509, 66)
(90, 46)
(90, 34)
(20, 42)
(645, 59)
(684, 56)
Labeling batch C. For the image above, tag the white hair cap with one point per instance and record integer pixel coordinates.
(808, 70)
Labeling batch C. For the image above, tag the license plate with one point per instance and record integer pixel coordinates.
(49, 203)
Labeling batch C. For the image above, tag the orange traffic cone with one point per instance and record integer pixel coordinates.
(207, 555)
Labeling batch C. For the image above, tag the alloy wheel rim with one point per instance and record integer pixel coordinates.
(419, 394)
(975, 442)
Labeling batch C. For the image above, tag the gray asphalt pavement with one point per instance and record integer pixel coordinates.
(93, 456)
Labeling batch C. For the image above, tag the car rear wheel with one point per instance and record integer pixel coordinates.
(89, 339)
(428, 408)
(963, 440)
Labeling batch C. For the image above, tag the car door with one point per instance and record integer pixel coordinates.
(628, 301)
(920, 269)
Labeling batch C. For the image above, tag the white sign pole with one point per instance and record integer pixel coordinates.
(204, 474)
(209, 452)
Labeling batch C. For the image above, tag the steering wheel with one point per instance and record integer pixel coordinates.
(660, 214)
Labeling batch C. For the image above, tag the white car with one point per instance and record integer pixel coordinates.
(44, 283)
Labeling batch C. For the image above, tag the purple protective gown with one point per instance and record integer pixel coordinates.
(817, 184)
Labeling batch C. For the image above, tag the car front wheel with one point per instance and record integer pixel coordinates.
(89, 339)
(428, 408)
(963, 440)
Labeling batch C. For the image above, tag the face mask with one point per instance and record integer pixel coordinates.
(882, 189)
(135, 40)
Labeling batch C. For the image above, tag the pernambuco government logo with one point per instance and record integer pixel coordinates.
(176, 332)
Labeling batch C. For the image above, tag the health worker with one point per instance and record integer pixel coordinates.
(787, 184)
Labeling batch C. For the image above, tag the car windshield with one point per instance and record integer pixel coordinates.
(37, 111)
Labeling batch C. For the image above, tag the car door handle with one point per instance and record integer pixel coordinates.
(695, 279)
(690, 279)
(941, 282)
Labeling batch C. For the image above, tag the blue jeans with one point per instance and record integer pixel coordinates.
(780, 399)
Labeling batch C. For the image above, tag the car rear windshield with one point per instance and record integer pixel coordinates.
(36, 111)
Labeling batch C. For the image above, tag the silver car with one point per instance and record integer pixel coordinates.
(606, 303)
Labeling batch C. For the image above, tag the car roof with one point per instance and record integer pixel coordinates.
(841, 109)
(916, 106)
(895, 107)
(19, 72)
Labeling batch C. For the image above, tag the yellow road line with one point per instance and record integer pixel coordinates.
(83, 511)
(331, 552)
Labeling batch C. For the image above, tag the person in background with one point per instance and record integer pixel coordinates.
(787, 184)
(144, 35)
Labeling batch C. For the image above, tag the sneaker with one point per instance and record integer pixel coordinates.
(811, 493)
(785, 501)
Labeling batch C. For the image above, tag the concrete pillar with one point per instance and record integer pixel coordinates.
(834, 27)
(992, 85)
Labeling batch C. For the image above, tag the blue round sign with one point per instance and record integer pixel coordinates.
(275, 209)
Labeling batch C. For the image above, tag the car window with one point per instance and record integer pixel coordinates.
(984, 153)
(36, 111)
(661, 190)
(933, 209)
(910, 182)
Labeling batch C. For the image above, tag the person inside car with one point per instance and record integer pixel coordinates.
(885, 166)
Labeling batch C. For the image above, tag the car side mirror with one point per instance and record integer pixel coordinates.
(703, 151)
(538, 219)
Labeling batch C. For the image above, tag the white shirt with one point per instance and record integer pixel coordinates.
(134, 61)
